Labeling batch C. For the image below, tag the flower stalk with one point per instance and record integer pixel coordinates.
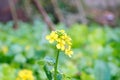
(56, 64)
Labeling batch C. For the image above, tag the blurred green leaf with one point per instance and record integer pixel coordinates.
(59, 77)
(102, 71)
(19, 58)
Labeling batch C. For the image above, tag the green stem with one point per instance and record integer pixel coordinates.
(56, 64)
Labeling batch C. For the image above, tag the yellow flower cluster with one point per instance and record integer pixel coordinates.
(62, 39)
(25, 75)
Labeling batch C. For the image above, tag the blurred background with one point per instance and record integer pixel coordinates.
(94, 26)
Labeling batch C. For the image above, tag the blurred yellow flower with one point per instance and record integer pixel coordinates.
(69, 52)
(27, 47)
(4, 49)
(25, 75)
(62, 40)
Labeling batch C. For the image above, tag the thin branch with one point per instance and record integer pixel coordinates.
(28, 7)
(58, 11)
(81, 11)
(13, 12)
(44, 14)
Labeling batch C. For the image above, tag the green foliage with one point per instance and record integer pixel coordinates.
(96, 52)
(48, 73)
(93, 45)
(102, 71)
(78, 34)
(7, 72)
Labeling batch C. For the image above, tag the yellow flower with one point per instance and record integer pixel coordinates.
(68, 51)
(25, 75)
(5, 49)
(62, 31)
(52, 37)
(60, 46)
(62, 40)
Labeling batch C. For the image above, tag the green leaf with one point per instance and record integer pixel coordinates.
(48, 73)
(59, 77)
(40, 62)
(49, 61)
(19, 58)
(102, 71)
